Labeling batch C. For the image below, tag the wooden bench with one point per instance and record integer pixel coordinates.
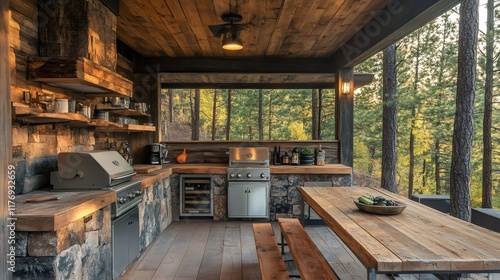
(306, 256)
(272, 265)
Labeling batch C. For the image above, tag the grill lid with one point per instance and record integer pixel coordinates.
(90, 170)
(248, 157)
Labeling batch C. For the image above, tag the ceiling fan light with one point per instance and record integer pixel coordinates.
(231, 42)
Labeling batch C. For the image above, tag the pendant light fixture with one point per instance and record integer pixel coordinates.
(230, 32)
(231, 40)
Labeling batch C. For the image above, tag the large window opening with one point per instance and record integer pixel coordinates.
(247, 114)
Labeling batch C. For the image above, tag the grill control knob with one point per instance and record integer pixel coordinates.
(238, 175)
(249, 175)
(231, 175)
(262, 175)
(131, 195)
(122, 200)
(138, 192)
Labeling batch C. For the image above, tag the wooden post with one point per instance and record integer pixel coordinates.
(5, 135)
(344, 114)
(146, 89)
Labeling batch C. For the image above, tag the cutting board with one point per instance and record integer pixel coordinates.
(146, 168)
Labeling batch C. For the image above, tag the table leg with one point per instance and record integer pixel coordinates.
(371, 275)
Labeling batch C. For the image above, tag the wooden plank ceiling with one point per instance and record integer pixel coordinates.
(274, 29)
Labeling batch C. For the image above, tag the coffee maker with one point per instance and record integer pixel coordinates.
(157, 153)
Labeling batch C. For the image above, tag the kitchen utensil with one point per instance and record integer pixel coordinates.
(71, 106)
(61, 105)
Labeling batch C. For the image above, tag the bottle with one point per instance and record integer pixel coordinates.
(285, 159)
(295, 156)
(320, 157)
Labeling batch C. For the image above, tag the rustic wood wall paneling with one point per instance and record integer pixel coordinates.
(146, 89)
(344, 116)
(216, 151)
(5, 128)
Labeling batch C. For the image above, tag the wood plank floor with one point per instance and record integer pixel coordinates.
(209, 250)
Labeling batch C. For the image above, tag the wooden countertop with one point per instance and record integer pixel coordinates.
(312, 169)
(55, 214)
(212, 168)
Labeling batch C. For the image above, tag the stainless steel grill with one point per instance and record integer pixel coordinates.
(248, 182)
(248, 164)
(80, 171)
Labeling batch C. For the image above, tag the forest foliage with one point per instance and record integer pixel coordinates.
(426, 107)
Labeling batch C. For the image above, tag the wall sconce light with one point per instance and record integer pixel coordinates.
(346, 87)
(231, 41)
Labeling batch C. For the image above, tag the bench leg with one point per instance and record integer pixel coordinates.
(302, 212)
(371, 275)
(282, 244)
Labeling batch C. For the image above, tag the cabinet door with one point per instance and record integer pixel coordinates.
(237, 200)
(258, 201)
(133, 241)
(120, 245)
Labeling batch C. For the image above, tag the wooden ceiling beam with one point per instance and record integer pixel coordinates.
(360, 80)
(398, 19)
(247, 65)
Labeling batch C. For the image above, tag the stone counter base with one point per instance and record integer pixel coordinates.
(81, 250)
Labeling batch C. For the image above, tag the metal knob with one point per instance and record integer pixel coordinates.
(238, 175)
(249, 175)
(122, 200)
(262, 175)
(131, 195)
(231, 175)
(138, 192)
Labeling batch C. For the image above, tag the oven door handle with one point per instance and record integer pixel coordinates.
(125, 176)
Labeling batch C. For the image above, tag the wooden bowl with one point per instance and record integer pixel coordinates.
(381, 210)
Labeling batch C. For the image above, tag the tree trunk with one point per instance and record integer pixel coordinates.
(389, 124)
(437, 167)
(411, 172)
(270, 116)
(463, 125)
(315, 111)
(228, 121)
(488, 110)
(320, 109)
(171, 105)
(261, 126)
(214, 112)
(195, 117)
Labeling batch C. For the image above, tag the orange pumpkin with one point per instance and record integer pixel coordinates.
(182, 157)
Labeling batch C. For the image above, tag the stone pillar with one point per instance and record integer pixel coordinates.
(344, 114)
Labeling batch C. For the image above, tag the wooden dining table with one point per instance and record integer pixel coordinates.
(419, 240)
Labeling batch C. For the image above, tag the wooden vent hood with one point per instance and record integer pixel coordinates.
(78, 74)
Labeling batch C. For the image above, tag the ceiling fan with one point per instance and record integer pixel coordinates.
(230, 31)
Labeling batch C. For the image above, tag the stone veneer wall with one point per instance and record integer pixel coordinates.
(81, 250)
(285, 195)
(285, 200)
(155, 212)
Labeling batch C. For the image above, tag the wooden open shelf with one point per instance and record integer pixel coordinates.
(35, 116)
(102, 125)
(121, 111)
(72, 119)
